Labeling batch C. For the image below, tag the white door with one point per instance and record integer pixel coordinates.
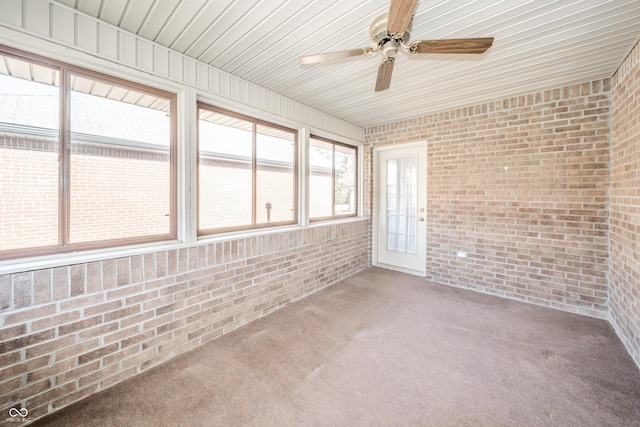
(400, 222)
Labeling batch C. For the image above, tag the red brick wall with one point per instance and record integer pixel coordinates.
(113, 184)
(70, 331)
(624, 252)
(230, 204)
(537, 232)
(115, 193)
(29, 205)
(105, 190)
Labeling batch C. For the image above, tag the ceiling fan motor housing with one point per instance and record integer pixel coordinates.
(387, 42)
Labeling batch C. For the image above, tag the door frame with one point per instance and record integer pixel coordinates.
(376, 201)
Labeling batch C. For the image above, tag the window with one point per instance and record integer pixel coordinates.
(246, 172)
(97, 172)
(332, 179)
(120, 169)
(29, 149)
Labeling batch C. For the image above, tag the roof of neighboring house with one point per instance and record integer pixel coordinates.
(89, 115)
(32, 108)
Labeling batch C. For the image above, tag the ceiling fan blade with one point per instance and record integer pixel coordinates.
(333, 56)
(400, 14)
(477, 45)
(384, 74)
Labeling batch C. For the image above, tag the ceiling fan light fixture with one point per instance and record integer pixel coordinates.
(390, 48)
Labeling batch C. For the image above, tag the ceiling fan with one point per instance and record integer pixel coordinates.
(390, 33)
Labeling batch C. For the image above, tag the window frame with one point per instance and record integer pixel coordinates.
(255, 122)
(333, 180)
(64, 172)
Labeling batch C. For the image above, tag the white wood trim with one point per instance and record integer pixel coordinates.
(187, 158)
(303, 173)
(361, 186)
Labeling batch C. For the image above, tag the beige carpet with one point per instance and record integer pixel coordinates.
(389, 349)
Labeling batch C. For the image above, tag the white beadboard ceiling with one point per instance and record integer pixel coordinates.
(539, 44)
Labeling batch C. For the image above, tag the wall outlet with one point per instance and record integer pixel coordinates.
(461, 254)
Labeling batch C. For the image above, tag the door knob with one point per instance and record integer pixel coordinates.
(421, 218)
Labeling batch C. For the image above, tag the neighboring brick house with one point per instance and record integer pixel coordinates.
(126, 164)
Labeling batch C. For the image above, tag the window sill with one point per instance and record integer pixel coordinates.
(81, 257)
(332, 221)
(70, 258)
(244, 234)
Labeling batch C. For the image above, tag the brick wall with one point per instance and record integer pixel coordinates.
(70, 331)
(537, 232)
(105, 190)
(321, 189)
(112, 183)
(624, 249)
(107, 185)
(230, 204)
(29, 207)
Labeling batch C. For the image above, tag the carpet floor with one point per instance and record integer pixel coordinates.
(389, 349)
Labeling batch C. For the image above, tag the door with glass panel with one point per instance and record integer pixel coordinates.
(400, 208)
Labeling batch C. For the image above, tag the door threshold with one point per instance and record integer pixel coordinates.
(401, 269)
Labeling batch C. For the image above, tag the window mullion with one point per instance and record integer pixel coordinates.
(254, 168)
(64, 156)
(333, 181)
